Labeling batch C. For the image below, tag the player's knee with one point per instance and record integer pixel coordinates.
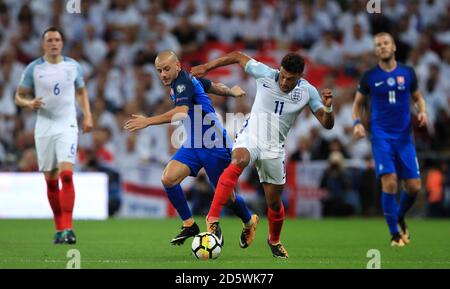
(66, 177)
(241, 162)
(275, 205)
(168, 180)
(390, 187)
(413, 188)
(389, 184)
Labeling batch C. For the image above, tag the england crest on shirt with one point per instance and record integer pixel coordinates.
(296, 94)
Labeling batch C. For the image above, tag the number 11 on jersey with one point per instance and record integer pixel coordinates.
(392, 99)
(279, 104)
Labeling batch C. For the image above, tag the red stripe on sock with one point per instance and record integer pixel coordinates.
(224, 189)
(276, 219)
(53, 195)
(67, 197)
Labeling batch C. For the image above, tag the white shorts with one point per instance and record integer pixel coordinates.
(53, 150)
(270, 169)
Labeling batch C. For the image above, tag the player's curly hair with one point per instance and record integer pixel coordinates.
(293, 63)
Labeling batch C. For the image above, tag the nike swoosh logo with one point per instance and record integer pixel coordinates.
(378, 83)
(266, 86)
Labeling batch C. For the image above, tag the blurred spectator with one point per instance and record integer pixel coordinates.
(340, 200)
(327, 51)
(303, 153)
(358, 47)
(435, 188)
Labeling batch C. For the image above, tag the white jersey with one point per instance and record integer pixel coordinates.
(56, 84)
(274, 112)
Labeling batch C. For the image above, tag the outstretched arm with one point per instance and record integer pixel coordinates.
(230, 58)
(357, 110)
(137, 122)
(325, 114)
(223, 90)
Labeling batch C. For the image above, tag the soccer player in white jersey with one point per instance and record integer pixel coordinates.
(281, 95)
(55, 81)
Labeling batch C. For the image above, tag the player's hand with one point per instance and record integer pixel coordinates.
(327, 97)
(359, 131)
(199, 70)
(136, 122)
(423, 119)
(237, 91)
(87, 124)
(36, 103)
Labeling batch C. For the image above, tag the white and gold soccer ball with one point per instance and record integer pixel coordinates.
(206, 246)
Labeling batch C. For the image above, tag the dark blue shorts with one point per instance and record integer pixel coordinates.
(395, 157)
(214, 160)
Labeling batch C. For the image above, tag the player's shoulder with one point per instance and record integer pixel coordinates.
(261, 70)
(182, 82)
(406, 67)
(373, 70)
(183, 76)
(70, 61)
(35, 62)
(306, 85)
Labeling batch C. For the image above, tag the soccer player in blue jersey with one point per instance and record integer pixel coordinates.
(389, 86)
(207, 144)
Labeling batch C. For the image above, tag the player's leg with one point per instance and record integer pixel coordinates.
(66, 148)
(183, 164)
(215, 162)
(272, 175)
(67, 200)
(407, 200)
(53, 195)
(46, 155)
(384, 157)
(275, 215)
(390, 186)
(409, 172)
(240, 159)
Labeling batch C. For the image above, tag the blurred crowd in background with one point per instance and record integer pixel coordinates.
(116, 42)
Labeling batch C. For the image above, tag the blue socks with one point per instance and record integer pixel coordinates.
(389, 204)
(240, 209)
(406, 202)
(178, 200)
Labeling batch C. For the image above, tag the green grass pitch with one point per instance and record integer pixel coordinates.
(133, 243)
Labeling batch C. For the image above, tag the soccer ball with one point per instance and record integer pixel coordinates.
(206, 246)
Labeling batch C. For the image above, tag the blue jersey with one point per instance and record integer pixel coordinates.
(390, 94)
(203, 127)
